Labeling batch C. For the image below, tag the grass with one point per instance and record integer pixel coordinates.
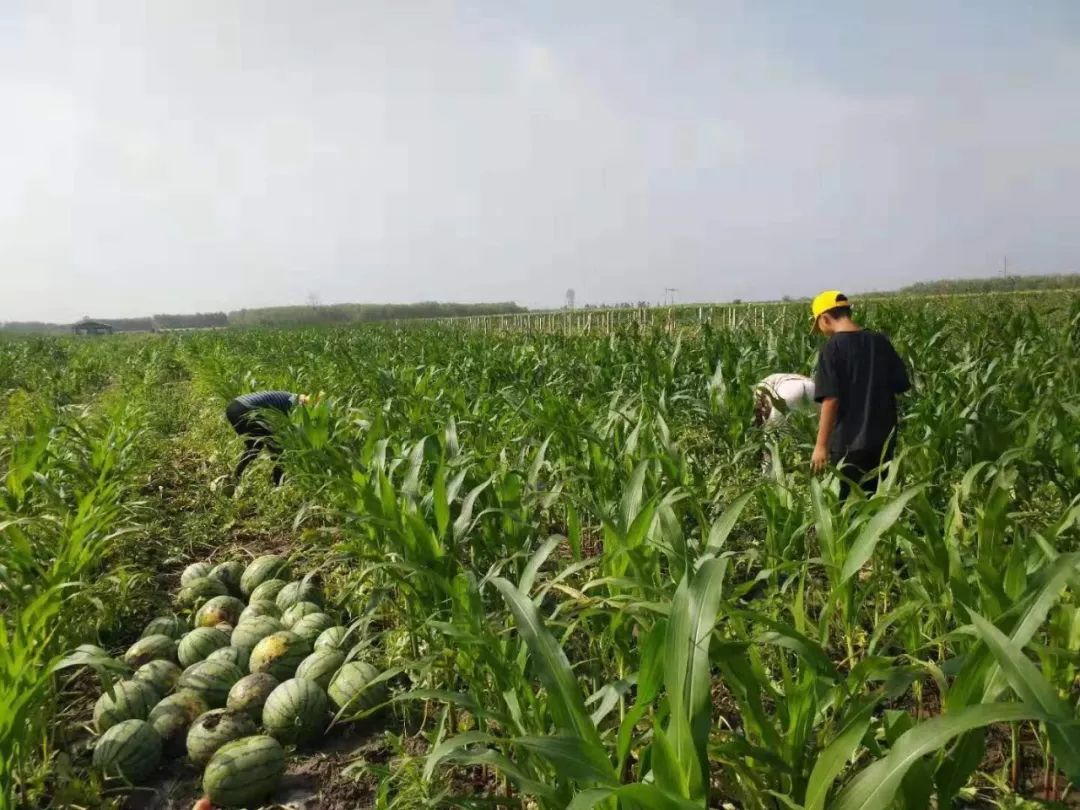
(565, 547)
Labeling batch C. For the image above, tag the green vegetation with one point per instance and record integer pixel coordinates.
(954, 286)
(564, 555)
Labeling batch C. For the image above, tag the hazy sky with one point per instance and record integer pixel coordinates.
(173, 156)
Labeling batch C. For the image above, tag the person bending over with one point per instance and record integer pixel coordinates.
(247, 417)
(859, 375)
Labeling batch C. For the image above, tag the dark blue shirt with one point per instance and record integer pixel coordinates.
(278, 400)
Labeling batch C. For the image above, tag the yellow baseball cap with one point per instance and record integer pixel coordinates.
(825, 301)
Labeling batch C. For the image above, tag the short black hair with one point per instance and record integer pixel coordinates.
(838, 312)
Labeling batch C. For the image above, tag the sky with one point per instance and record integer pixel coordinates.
(219, 154)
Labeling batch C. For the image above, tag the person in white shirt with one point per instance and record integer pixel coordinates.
(779, 394)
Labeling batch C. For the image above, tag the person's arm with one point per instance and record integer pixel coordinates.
(830, 407)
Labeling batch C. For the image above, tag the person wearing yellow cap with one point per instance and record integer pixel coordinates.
(858, 377)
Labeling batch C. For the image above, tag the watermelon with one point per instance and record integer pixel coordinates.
(333, 638)
(193, 572)
(199, 643)
(250, 693)
(171, 626)
(262, 569)
(213, 730)
(128, 700)
(268, 590)
(225, 628)
(229, 573)
(296, 712)
(279, 654)
(219, 609)
(321, 666)
(198, 591)
(210, 680)
(261, 607)
(173, 716)
(352, 692)
(244, 773)
(130, 749)
(312, 626)
(150, 648)
(298, 611)
(234, 655)
(91, 651)
(160, 674)
(303, 590)
(249, 633)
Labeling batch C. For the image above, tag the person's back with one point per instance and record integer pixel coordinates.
(278, 400)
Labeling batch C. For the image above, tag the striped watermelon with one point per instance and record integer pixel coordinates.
(225, 628)
(193, 572)
(333, 638)
(312, 626)
(352, 692)
(260, 607)
(128, 700)
(233, 655)
(267, 590)
(303, 590)
(210, 680)
(162, 675)
(296, 712)
(249, 694)
(198, 591)
(130, 749)
(261, 569)
(173, 716)
(199, 643)
(298, 611)
(219, 609)
(171, 626)
(321, 666)
(213, 730)
(244, 773)
(150, 648)
(279, 654)
(249, 633)
(229, 573)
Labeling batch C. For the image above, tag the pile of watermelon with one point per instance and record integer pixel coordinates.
(279, 663)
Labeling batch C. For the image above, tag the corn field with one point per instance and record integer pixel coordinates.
(587, 590)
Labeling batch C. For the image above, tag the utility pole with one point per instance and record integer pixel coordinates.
(669, 295)
(1005, 266)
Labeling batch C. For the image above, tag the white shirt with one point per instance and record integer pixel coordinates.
(795, 391)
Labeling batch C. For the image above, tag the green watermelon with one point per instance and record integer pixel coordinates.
(312, 626)
(352, 692)
(200, 590)
(219, 609)
(321, 666)
(160, 674)
(193, 572)
(199, 643)
(92, 651)
(229, 573)
(267, 590)
(210, 680)
(262, 569)
(249, 694)
(298, 611)
(173, 716)
(225, 628)
(130, 749)
(128, 700)
(171, 626)
(296, 712)
(303, 590)
(261, 607)
(150, 648)
(213, 730)
(234, 655)
(244, 773)
(334, 638)
(250, 632)
(279, 654)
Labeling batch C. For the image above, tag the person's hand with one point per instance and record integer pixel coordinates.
(819, 460)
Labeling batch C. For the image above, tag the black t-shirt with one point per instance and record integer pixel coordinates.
(863, 371)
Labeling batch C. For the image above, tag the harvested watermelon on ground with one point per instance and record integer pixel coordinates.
(198, 591)
(210, 680)
(298, 611)
(130, 749)
(172, 626)
(229, 573)
(312, 626)
(233, 655)
(193, 572)
(199, 643)
(219, 609)
(249, 694)
(172, 718)
(352, 691)
(279, 654)
(150, 648)
(335, 638)
(263, 569)
(244, 773)
(213, 730)
(321, 666)
(128, 700)
(296, 712)
(268, 590)
(162, 675)
(303, 590)
(251, 631)
(260, 607)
